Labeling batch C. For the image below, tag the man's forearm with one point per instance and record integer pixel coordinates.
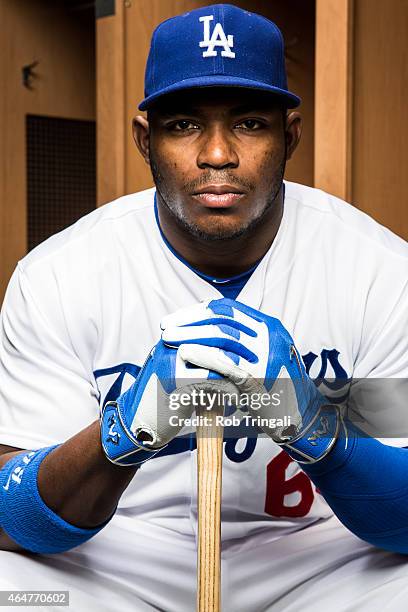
(79, 484)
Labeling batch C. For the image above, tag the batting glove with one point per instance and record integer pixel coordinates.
(256, 353)
(138, 424)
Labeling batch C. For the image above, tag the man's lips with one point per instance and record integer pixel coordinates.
(218, 196)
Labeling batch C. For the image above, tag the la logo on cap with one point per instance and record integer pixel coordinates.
(218, 39)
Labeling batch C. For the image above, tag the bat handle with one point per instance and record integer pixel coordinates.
(209, 475)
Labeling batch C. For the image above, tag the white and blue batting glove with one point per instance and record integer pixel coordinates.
(139, 423)
(256, 353)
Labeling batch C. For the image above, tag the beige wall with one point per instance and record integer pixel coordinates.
(36, 30)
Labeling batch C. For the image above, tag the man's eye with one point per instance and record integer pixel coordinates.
(183, 125)
(250, 124)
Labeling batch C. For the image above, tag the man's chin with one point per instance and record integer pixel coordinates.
(216, 231)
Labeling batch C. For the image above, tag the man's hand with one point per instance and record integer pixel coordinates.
(138, 424)
(260, 358)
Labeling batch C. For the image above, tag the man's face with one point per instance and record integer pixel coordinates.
(218, 158)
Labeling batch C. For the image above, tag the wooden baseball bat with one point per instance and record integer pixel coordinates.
(209, 474)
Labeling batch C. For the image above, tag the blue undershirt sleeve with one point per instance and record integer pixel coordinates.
(366, 484)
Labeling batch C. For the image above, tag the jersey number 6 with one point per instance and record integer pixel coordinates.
(277, 487)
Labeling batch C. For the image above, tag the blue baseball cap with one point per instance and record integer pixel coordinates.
(217, 46)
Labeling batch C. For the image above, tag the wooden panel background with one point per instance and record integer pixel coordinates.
(333, 96)
(65, 87)
(111, 105)
(380, 126)
(296, 18)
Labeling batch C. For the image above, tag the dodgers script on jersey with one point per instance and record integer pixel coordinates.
(82, 312)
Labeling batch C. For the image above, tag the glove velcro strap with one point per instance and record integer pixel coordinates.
(319, 437)
(118, 443)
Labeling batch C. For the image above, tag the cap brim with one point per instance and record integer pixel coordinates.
(288, 98)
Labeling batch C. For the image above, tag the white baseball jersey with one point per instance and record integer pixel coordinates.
(83, 309)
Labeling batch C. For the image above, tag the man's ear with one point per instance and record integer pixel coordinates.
(293, 132)
(140, 129)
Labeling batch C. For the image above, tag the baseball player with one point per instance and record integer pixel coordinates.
(223, 277)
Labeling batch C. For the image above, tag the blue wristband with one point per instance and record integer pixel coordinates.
(23, 514)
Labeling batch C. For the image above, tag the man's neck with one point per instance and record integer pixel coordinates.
(223, 258)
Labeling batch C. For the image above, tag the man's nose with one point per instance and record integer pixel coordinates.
(217, 150)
